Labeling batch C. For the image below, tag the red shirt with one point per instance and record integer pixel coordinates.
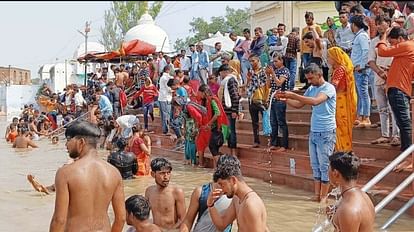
(148, 92)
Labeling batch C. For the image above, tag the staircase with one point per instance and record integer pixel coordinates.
(275, 167)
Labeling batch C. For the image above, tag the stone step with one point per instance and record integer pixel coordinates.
(295, 128)
(369, 168)
(301, 142)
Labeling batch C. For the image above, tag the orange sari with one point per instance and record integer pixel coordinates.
(142, 158)
(346, 99)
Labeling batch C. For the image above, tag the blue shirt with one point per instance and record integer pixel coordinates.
(181, 92)
(323, 115)
(360, 48)
(203, 59)
(105, 105)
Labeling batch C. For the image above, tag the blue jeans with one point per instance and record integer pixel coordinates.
(291, 64)
(371, 83)
(148, 108)
(278, 119)
(165, 109)
(400, 105)
(245, 66)
(364, 101)
(321, 146)
(232, 141)
(176, 123)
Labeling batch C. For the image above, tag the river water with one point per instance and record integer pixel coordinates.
(24, 209)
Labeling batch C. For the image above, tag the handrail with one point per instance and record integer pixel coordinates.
(388, 168)
(61, 127)
(394, 193)
(377, 178)
(394, 217)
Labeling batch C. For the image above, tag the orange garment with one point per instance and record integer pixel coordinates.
(402, 67)
(12, 136)
(142, 158)
(177, 63)
(346, 98)
(50, 105)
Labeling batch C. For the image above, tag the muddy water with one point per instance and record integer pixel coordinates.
(23, 209)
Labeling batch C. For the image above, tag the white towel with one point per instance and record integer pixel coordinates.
(226, 95)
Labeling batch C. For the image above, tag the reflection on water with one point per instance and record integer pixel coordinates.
(23, 209)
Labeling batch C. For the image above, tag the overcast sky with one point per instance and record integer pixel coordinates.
(36, 33)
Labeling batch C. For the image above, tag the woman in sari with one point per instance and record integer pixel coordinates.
(346, 97)
(140, 145)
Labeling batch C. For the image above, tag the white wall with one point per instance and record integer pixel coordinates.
(59, 78)
(17, 96)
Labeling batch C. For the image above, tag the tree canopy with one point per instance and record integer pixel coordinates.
(234, 20)
(122, 16)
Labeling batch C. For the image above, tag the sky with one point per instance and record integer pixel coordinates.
(38, 33)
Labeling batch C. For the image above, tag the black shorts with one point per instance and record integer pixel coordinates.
(216, 141)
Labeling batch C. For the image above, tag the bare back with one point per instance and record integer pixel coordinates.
(164, 205)
(356, 211)
(23, 142)
(91, 184)
(251, 213)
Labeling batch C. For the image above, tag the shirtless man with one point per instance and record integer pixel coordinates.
(86, 187)
(138, 212)
(23, 140)
(168, 203)
(355, 211)
(247, 207)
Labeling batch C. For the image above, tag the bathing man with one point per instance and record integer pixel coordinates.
(246, 206)
(86, 187)
(355, 211)
(167, 202)
(322, 97)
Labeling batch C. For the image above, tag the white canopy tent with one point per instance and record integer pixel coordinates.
(226, 43)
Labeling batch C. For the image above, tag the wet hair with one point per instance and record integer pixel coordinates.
(313, 68)
(346, 163)
(383, 18)
(160, 163)
(172, 82)
(396, 32)
(227, 166)
(84, 129)
(139, 206)
(358, 20)
(308, 35)
(121, 143)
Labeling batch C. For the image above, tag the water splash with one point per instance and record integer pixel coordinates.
(326, 210)
(269, 163)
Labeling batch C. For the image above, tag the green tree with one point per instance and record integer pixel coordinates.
(122, 16)
(234, 20)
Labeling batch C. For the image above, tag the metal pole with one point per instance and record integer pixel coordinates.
(394, 193)
(87, 30)
(66, 72)
(394, 217)
(388, 168)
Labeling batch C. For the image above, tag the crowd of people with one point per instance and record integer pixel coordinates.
(368, 60)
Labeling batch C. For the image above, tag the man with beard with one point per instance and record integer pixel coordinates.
(246, 206)
(167, 202)
(85, 187)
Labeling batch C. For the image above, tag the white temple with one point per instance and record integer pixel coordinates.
(149, 32)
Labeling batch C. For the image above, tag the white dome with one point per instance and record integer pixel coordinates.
(147, 31)
(92, 47)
